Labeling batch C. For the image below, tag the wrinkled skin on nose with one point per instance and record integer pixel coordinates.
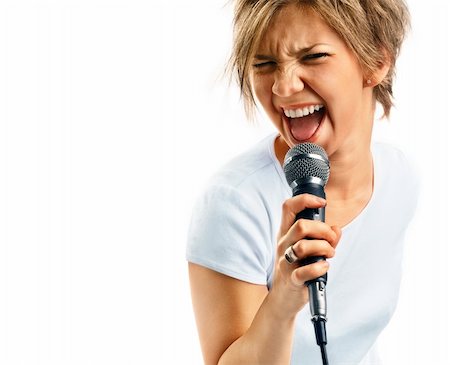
(287, 79)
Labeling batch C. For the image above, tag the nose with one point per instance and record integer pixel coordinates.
(287, 82)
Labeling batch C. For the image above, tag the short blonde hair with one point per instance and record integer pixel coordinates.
(372, 29)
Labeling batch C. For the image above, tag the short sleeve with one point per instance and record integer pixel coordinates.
(229, 234)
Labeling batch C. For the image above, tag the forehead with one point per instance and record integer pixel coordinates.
(295, 27)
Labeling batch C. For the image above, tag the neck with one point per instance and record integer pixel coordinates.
(351, 175)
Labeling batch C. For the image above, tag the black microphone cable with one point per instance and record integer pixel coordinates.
(321, 338)
(323, 351)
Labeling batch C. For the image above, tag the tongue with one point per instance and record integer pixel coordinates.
(303, 128)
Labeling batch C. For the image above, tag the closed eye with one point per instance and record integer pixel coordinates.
(315, 56)
(264, 64)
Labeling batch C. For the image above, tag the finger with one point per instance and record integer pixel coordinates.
(307, 248)
(307, 228)
(303, 274)
(338, 232)
(294, 205)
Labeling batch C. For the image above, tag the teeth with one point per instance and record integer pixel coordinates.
(302, 112)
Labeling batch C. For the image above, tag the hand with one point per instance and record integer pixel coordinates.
(289, 279)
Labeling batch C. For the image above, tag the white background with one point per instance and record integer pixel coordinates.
(112, 116)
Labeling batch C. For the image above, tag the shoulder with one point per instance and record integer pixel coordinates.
(396, 178)
(244, 190)
(247, 169)
(394, 163)
(389, 152)
(253, 182)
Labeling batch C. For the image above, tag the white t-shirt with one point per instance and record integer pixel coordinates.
(234, 227)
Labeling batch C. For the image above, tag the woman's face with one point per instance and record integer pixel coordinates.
(310, 83)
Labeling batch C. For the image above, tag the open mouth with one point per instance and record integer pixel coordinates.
(304, 122)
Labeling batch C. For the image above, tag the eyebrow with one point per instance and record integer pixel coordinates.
(298, 52)
(263, 57)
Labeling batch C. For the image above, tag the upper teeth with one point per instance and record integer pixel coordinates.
(302, 112)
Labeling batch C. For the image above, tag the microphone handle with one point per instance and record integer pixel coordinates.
(315, 214)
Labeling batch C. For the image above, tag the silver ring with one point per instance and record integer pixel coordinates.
(290, 255)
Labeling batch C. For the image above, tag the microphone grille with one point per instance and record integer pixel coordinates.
(306, 160)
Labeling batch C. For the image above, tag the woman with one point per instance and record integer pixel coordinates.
(317, 68)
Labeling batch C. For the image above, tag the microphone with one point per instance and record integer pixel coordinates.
(307, 170)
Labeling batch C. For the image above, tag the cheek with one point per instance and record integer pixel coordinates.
(342, 93)
(262, 87)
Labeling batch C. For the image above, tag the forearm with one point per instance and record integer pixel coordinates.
(268, 339)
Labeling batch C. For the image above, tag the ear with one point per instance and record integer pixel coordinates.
(377, 76)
